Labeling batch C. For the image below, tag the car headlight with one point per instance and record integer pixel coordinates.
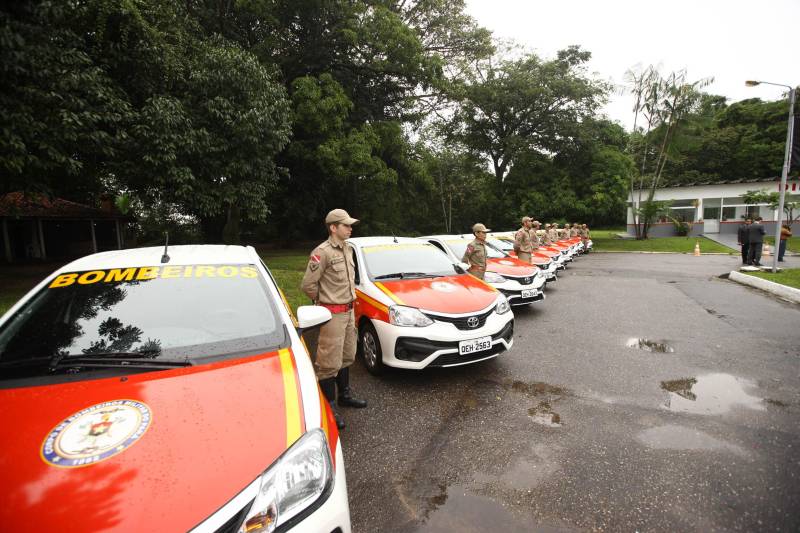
(502, 305)
(400, 315)
(539, 273)
(493, 277)
(300, 477)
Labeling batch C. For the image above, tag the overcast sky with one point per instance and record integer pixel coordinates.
(731, 40)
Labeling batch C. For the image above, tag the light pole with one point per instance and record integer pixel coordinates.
(786, 163)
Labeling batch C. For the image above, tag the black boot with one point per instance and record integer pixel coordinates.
(328, 387)
(345, 398)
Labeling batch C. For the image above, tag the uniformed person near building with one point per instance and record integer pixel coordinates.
(330, 282)
(546, 235)
(475, 254)
(522, 240)
(743, 236)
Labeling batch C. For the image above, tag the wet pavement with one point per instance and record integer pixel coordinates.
(575, 430)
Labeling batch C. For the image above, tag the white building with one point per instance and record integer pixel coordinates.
(717, 207)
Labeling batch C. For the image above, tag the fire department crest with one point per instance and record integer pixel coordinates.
(96, 433)
(443, 286)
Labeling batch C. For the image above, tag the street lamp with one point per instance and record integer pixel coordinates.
(786, 163)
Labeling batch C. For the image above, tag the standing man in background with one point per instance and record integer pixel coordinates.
(330, 282)
(522, 240)
(743, 237)
(755, 234)
(475, 254)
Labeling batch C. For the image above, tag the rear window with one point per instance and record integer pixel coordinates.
(180, 313)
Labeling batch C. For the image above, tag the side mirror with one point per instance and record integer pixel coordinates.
(461, 268)
(311, 316)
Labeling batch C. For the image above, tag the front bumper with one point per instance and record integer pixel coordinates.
(437, 345)
(514, 288)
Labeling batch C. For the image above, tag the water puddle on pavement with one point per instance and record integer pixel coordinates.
(649, 346)
(674, 437)
(459, 510)
(543, 414)
(711, 394)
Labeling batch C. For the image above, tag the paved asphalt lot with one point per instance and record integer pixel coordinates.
(573, 430)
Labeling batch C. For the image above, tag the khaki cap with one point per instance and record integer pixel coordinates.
(340, 216)
(537, 223)
(526, 219)
(480, 227)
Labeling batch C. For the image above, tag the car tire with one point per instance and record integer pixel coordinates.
(369, 346)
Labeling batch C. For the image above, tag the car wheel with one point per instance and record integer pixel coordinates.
(370, 347)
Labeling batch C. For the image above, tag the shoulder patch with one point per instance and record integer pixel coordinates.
(470, 248)
(315, 258)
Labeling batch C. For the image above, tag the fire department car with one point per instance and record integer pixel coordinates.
(416, 309)
(522, 283)
(549, 262)
(149, 393)
(505, 242)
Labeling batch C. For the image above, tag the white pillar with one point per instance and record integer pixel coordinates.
(7, 240)
(41, 238)
(698, 215)
(94, 239)
(119, 235)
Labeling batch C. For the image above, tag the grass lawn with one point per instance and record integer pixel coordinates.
(607, 241)
(288, 267)
(15, 281)
(789, 276)
(792, 246)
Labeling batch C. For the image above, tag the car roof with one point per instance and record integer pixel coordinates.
(449, 237)
(381, 241)
(193, 254)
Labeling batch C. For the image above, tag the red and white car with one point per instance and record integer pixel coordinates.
(521, 282)
(141, 393)
(416, 309)
(554, 259)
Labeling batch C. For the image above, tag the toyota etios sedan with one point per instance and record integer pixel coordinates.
(415, 309)
(521, 282)
(151, 391)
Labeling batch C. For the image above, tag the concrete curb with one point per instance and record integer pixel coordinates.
(782, 291)
(642, 252)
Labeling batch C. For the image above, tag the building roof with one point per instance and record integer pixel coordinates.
(19, 204)
(775, 179)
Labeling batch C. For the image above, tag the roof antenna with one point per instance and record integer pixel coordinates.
(394, 239)
(165, 257)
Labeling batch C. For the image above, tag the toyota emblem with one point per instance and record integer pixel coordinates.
(472, 322)
(526, 281)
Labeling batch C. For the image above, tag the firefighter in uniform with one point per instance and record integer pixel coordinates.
(329, 281)
(575, 231)
(546, 235)
(554, 233)
(535, 242)
(475, 254)
(522, 240)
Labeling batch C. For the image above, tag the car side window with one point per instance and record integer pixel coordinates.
(438, 245)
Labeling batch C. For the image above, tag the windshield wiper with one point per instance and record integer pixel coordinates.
(407, 275)
(117, 359)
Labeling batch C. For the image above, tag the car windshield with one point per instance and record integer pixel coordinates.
(144, 316)
(459, 246)
(406, 260)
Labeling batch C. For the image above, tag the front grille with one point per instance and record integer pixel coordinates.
(462, 322)
(416, 349)
(233, 523)
(522, 280)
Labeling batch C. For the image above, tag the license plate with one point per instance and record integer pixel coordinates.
(475, 345)
(530, 293)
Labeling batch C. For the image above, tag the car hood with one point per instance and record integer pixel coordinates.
(510, 266)
(212, 430)
(447, 294)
